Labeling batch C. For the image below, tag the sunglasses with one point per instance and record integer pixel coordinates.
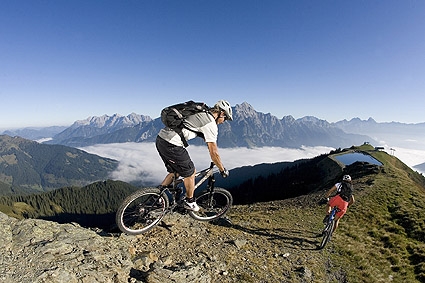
(225, 117)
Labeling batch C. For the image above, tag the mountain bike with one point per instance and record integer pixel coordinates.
(329, 227)
(145, 208)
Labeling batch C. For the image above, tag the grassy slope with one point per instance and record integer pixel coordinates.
(382, 237)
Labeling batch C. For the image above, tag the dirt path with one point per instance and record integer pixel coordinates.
(265, 242)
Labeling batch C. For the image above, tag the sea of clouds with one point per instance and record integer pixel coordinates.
(140, 161)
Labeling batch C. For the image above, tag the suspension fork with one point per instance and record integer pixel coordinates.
(211, 186)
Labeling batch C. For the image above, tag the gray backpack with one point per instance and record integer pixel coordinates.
(174, 116)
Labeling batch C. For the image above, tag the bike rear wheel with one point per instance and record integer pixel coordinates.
(327, 233)
(213, 205)
(141, 211)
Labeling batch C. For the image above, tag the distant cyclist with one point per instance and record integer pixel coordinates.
(175, 156)
(343, 199)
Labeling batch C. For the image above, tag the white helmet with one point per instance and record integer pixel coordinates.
(346, 178)
(225, 106)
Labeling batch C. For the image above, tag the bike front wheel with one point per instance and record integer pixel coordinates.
(213, 205)
(141, 211)
(327, 234)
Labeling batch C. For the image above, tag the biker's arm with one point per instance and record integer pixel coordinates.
(331, 191)
(351, 200)
(215, 157)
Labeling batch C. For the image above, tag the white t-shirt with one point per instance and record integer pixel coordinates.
(338, 187)
(200, 122)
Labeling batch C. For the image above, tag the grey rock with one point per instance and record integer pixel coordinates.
(44, 251)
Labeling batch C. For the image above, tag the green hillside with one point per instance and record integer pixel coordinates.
(92, 205)
(29, 167)
(382, 238)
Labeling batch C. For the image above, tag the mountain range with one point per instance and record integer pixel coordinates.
(248, 129)
(35, 133)
(395, 133)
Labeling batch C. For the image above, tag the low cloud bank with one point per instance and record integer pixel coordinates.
(410, 157)
(140, 161)
(411, 152)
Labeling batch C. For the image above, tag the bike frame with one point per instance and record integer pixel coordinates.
(142, 210)
(205, 174)
(333, 213)
(329, 227)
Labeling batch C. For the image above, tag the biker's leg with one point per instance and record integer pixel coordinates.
(337, 218)
(342, 206)
(189, 184)
(168, 179)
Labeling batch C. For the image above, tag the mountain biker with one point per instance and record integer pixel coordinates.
(343, 199)
(175, 156)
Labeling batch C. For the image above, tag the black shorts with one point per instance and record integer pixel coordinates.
(176, 158)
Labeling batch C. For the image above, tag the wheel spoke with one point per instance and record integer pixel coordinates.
(141, 211)
(212, 205)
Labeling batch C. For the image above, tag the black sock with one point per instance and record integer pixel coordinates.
(192, 199)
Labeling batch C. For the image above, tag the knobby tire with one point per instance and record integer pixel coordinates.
(141, 211)
(327, 233)
(213, 205)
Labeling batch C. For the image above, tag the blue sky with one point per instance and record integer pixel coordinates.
(62, 61)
